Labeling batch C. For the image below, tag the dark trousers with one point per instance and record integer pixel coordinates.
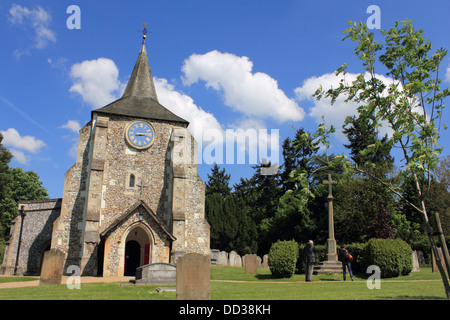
(309, 268)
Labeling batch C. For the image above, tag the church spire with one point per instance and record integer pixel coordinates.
(141, 80)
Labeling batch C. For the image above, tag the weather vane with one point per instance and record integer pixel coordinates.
(144, 31)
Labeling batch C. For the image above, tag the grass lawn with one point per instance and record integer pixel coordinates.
(231, 283)
(17, 279)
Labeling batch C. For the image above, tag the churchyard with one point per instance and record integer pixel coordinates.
(232, 283)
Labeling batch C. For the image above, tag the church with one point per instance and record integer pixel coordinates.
(132, 198)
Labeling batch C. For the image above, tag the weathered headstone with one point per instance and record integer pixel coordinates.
(265, 263)
(250, 263)
(52, 267)
(421, 257)
(415, 259)
(434, 267)
(237, 261)
(222, 259)
(156, 273)
(258, 262)
(234, 260)
(193, 275)
(214, 256)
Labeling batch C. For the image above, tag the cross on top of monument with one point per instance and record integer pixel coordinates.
(330, 182)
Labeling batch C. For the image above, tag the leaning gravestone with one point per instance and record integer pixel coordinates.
(250, 263)
(52, 267)
(193, 277)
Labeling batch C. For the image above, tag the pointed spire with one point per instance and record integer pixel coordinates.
(141, 81)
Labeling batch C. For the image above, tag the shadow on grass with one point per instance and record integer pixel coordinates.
(267, 277)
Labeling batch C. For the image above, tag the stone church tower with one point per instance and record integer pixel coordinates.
(133, 197)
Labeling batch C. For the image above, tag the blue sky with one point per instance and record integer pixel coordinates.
(219, 64)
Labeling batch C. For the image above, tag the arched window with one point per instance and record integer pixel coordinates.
(132, 181)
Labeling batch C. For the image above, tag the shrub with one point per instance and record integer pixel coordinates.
(393, 256)
(357, 250)
(283, 257)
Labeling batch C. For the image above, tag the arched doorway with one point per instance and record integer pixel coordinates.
(137, 250)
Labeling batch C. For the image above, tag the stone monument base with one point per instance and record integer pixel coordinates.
(328, 267)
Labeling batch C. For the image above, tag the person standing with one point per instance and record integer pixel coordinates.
(344, 257)
(309, 255)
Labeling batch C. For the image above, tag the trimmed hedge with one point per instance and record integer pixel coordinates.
(393, 256)
(283, 257)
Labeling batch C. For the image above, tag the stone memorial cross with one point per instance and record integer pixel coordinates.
(331, 242)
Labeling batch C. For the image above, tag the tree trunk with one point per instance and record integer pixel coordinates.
(432, 242)
(441, 238)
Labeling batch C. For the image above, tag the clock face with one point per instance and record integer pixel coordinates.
(140, 134)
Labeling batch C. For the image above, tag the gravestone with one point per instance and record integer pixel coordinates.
(415, 259)
(193, 273)
(214, 256)
(421, 258)
(234, 261)
(258, 262)
(156, 273)
(265, 263)
(434, 267)
(250, 263)
(52, 267)
(222, 259)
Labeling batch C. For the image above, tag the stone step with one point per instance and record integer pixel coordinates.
(328, 267)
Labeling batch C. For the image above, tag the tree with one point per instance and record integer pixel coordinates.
(361, 133)
(411, 103)
(228, 215)
(23, 185)
(363, 202)
(442, 171)
(295, 154)
(218, 182)
(5, 178)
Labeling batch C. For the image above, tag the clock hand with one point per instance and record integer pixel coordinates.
(143, 134)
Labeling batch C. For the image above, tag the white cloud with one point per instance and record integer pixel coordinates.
(12, 138)
(253, 94)
(96, 81)
(447, 74)
(20, 156)
(334, 114)
(182, 105)
(38, 19)
(72, 125)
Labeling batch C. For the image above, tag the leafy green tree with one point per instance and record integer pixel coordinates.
(411, 104)
(23, 185)
(5, 177)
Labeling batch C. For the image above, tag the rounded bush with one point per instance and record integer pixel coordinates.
(393, 256)
(283, 257)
